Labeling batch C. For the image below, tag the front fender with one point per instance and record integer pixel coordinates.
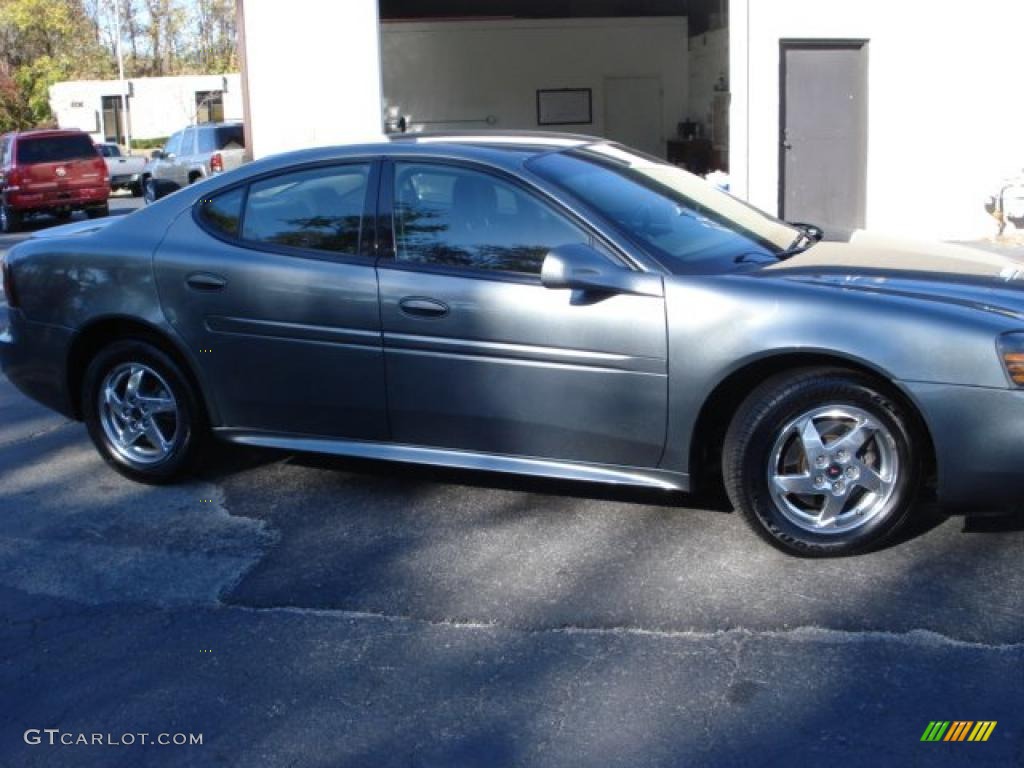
(718, 325)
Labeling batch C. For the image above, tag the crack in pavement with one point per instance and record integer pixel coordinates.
(37, 434)
(806, 634)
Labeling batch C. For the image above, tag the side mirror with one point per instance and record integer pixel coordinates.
(584, 268)
(157, 154)
(813, 231)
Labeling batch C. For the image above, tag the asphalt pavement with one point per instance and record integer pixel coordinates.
(303, 611)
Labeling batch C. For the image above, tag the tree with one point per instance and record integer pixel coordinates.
(41, 43)
(46, 41)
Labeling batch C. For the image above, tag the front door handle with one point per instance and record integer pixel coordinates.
(418, 306)
(205, 281)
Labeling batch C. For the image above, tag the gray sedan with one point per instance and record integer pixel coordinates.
(545, 305)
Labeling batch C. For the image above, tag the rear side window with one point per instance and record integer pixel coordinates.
(224, 212)
(55, 149)
(319, 209)
(222, 137)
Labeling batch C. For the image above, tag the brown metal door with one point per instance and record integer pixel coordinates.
(823, 153)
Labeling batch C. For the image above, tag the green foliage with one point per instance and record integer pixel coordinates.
(149, 143)
(43, 42)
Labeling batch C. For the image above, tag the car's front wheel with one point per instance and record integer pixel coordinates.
(822, 463)
(141, 412)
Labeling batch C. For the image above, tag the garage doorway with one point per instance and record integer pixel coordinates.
(632, 112)
(823, 132)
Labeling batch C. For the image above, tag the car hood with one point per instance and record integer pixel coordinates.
(949, 274)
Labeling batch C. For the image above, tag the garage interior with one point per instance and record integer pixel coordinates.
(653, 74)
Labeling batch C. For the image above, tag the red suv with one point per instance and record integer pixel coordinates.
(54, 172)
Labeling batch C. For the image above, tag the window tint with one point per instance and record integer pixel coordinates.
(55, 149)
(230, 137)
(224, 137)
(456, 217)
(320, 209)
(173, 145)
(188, 142)
(223, 212)
(109, 150)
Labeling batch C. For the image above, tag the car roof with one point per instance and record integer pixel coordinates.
(46, 132)
(525, 139)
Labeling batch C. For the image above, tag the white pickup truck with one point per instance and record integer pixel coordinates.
(125, 170)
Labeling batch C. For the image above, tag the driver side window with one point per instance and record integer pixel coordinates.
(451, 216)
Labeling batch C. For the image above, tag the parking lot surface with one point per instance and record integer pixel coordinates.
(303, 611)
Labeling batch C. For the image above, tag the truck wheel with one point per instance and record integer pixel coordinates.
(98, 213)
(823, 463)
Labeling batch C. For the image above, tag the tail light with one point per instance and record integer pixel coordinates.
(102, 168)
(12, 180)
(216, 163)
(9, 292)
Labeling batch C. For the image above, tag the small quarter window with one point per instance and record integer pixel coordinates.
(222, 213)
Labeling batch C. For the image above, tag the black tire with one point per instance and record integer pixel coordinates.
(10, 220)
(190, 436)
(63, 215)
(136, 188)
(98, 213)
(752, 450)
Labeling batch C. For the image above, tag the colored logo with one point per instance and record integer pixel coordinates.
(958, 730)
(61, 171)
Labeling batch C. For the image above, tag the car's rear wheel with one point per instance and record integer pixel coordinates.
(63, 215)
(10, 220)
(823, 463)
(99, 212)
(142, 413)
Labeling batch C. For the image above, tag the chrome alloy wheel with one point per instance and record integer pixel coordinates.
(833, 469)
(139, 414)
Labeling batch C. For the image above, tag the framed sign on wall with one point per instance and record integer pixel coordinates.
(564, 106)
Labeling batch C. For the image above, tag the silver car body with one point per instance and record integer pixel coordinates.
(318, 354)
(186, 157)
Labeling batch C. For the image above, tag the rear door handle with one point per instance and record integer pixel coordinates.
(205, 281)
(418, 306)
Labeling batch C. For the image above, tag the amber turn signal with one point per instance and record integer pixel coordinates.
(1014, 362)
(1011, 350)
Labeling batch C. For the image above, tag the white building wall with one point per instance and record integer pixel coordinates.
(708, 61)
(946, 120)
(160, 105)
(312, 73)
(469, 70)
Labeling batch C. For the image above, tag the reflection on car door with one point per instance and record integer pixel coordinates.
(480, 356)
(274, 289)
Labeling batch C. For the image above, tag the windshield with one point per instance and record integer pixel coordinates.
(55, 149)
(689, 224)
